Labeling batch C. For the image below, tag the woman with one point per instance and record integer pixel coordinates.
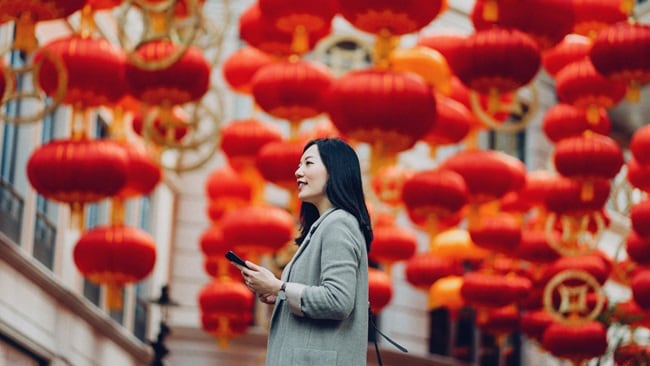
(321, 301)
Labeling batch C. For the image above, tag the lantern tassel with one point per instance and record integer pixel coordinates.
(491, 11)
(633, 92)
(25, 38)
(114, 296)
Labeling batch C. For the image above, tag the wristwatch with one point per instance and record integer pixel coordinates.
(281, 294)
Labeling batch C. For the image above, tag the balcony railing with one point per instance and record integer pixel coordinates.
(44, 240)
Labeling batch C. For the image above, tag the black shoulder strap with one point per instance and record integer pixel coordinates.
(374, 326)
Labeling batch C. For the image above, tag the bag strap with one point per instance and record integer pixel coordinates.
(372, 322)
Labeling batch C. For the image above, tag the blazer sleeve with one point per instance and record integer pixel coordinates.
(340, 260)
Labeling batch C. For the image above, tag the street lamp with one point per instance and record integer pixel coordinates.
(160, 350)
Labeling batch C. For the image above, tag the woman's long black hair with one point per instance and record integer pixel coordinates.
(344, 187)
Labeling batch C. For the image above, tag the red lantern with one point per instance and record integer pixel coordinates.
(580, 85)
(638, 248)
(258, 31)
(531, 17)
(241, 141)
(640, 217)
(277, 162)
(572, 48)
(591, 264)
(239, 68)
(143, 174)
(389, 110)
(115, 256)
(423, 269)
(388, 183)
(631, 354)
(564, 120)
(489, 174)
(257, 230)
(78, 172)
(185, 80)
(640, 286)
(500, 233)
(638, 175)
(576, 342)
(226, 190)
(565, 197)
(214, 247)
(592, 16)
(170, 128)
(377, 16)
(622, 52)
(292, 89)
(487, 290)
(588, 158)
(434, 195)
(380, 290)
(534, 247)
(495, 61)
(534, 323)
(500, 321)
(452, 124)
(640, 145)
(226, 309)
(392, 244)
(628, 312)
(445, 43)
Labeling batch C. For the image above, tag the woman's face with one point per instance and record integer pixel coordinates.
(311, 177)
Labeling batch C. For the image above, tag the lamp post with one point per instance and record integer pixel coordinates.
(160, 350)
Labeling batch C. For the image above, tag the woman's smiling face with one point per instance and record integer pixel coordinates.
(311, 177)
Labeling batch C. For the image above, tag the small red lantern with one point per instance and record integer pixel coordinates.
(488, 290)
(380, 290)
(564, 120)
(500, 321)
(640, 286)
(565, 197)
(640, 145)
(143, 174)
(239, 68)
(591, 264)
(534, 247)
(257, 229)
(500, 233)
(533, 323)
(453, 123)
(241, 141)
(388, 183)
(115, 256)
(435, 195)
(638, 175)
(423, 269)
(640, 217)
(592, 16)
(572, 48)
(638, 248)
(226, 190)
(489, 174)
(226, 309)
(392, 244)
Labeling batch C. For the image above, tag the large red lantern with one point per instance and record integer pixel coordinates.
(185, 80)
(277, 162)
(379, 16)
(257, 230)
(531, 17)
(488, 290)
(500, 233)
(622, 52)
(575, 342)
(496, 60)
(94, 69)
(226, 309)
(592, 16)
(78, 172)
(143, 173)
(291, 89)
(115, 256)
(534, 247)
(389, 110)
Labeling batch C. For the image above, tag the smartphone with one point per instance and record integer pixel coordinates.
(231, 256)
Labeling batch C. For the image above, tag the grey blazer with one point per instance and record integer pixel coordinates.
(324, 318)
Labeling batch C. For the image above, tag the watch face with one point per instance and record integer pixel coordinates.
(282, 295)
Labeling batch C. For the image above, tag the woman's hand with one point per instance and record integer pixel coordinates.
(261, 281)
